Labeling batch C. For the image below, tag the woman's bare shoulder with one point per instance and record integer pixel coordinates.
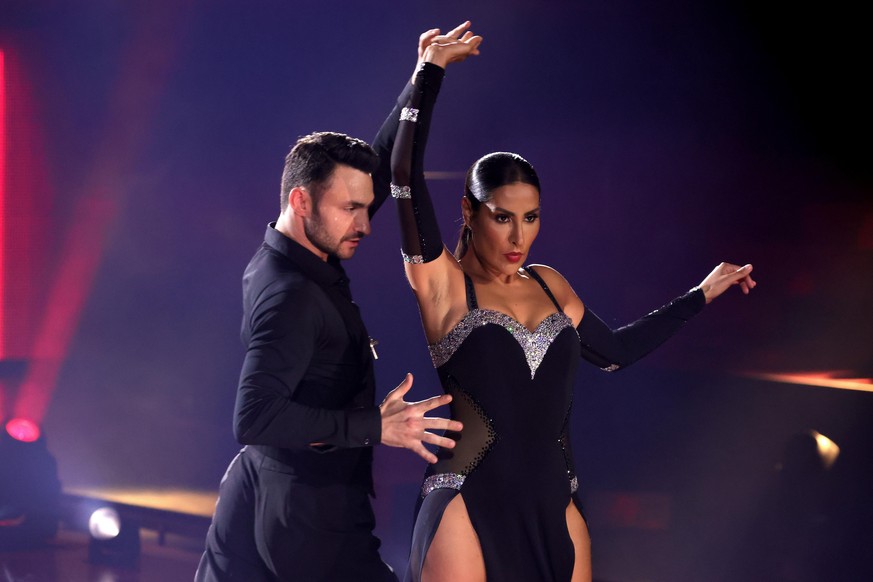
(556, 282)
(562, 290)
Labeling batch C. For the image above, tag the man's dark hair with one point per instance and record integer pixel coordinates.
(312, 160)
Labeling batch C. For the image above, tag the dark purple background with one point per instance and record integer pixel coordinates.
(668, 136)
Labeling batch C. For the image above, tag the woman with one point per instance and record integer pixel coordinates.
(505, 340)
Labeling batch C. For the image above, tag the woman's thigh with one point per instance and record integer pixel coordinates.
(581, 544)
(454, 554)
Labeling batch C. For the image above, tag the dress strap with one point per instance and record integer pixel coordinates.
(471, 293)
(536, 276)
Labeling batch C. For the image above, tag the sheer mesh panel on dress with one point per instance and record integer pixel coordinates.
(473, 443)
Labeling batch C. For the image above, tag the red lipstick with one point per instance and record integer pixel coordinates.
(513, 257)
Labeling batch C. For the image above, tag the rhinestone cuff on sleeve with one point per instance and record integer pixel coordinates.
(414, 259)
(442, 481)
(409, 114)
(400, 191)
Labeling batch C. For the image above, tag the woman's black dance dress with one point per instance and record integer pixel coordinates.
(511, 387)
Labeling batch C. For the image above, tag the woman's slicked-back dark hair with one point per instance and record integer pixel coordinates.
(489, 173)
(314, 157)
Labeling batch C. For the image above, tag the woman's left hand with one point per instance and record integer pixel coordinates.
(726, 275)
(452, 47)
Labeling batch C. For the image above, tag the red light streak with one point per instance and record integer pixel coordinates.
(2, 206)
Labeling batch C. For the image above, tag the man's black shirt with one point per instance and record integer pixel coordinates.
(307, 376)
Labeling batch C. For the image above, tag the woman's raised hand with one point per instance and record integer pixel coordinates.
(452, 47)
(724, 276)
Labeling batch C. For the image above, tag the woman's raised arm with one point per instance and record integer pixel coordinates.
(430, 268)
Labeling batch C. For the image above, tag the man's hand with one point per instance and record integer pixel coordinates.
(726, 275)
(405, 425)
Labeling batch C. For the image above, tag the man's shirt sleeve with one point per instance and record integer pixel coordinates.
(284, 335)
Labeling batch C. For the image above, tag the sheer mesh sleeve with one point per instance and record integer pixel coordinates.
(421, 241)
(611, 350)
(383, 143)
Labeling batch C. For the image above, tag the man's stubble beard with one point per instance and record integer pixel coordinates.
(314, 230)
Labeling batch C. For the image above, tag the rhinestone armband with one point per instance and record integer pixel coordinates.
(409, 114)
(413, 259)
(400, 191)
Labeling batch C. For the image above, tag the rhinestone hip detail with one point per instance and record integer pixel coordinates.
(442, 481)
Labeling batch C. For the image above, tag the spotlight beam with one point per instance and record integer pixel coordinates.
(132, 107)
(820, 379)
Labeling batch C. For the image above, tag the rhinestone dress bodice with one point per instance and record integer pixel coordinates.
(534, 343)
(511, 388)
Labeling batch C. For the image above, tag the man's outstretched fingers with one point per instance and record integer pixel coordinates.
(440, 441)
(400, 391)
(434, 423)
(425, 454)
(433, 402)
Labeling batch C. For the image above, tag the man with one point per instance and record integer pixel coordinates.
(294, 503)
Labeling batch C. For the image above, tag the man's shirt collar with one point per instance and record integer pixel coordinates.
(323, 273)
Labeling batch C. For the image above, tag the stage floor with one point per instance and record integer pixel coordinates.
(64, 559)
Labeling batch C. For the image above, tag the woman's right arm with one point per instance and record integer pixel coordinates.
(433, 273)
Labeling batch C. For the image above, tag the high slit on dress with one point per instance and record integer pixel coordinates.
(512, 389)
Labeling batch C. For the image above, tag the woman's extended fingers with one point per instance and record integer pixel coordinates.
(456, 32)
(726, 275)
(427, 37)
(452, 52)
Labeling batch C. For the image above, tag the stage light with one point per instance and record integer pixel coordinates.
(808, 452)
(23, 430)
(104, 523)
(29, 487)
(114, 540)
(827, 449)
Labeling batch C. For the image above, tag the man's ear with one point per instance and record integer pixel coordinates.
(300, 201)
